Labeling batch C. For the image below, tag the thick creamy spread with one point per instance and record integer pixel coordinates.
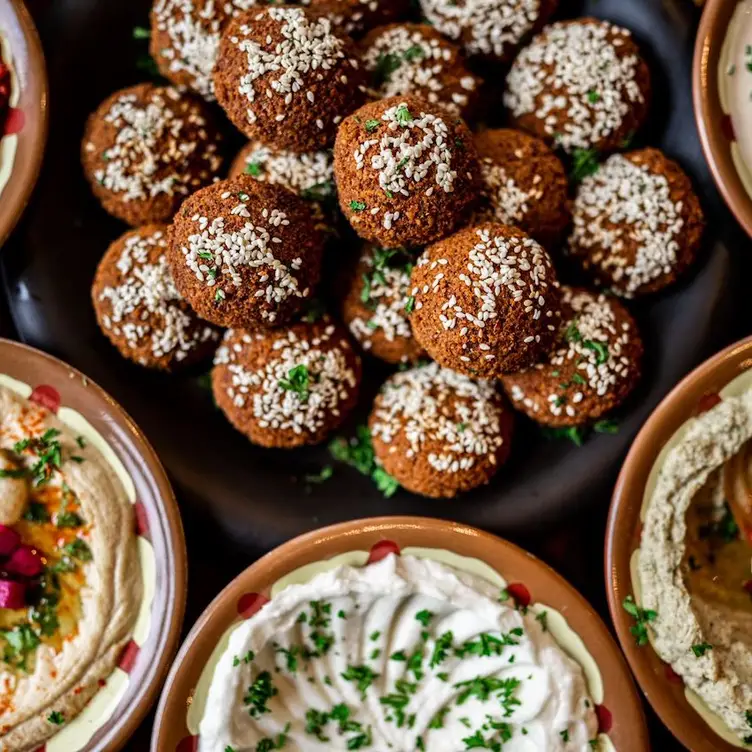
(405, 654)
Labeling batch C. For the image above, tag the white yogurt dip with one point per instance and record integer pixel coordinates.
(735, 87)
(406, 654)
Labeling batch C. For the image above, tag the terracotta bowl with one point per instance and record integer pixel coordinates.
(663, 689)
(60, 387)
(713, 122)
(620, 714)
(27, 122)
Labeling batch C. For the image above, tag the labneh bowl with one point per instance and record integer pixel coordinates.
(125, 696)
(719, 141)
(363, 543)
(696, 394)
(24, 134)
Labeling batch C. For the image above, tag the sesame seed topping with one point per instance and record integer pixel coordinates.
(300, 173)
(577, 80)
(509, 202)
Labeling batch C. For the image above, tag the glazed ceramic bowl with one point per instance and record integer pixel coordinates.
(713, 120)
(22, 144)
(134, 685)
(662, 687)
(620, 711)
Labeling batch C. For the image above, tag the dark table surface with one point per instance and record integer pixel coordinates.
(575, 549)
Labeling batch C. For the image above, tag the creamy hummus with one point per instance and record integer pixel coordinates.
(405, 654)
(693, 569)
(78, 589)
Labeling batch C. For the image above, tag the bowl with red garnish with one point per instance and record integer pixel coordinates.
(23, 111)
(92, 562)
(398, 633)
(678, 554)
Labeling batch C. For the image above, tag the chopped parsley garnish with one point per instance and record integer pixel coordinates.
(36, 512)
(441, 649)
(482, 687)
(254, 169)
(575, 434)
(410, 304)
(267, 744)
(564, 735)
(386, 64)
(78, 549)
(141, 32)
(297, 381)
(361, 676)
(382, 259)
(542, 619)
(219, 295)
(403, 115)
(20, 642)
(599, 348)
(700, 649)
(424, 617)
(56, 718)
(81, 441)
(323, 475)
(318, 192)
(606, 426)
(357, 206)
(584, 163)
(414, 52)
(371, 125)
(259, 693)
(48, 452)
(642, 617)
(593, 96)
(358, 452)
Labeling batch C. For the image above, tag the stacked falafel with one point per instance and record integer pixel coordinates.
(454, 277)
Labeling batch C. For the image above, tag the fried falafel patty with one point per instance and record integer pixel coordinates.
(637, 223)
(592, 370)
(580, 84)
(377, 306)
(185, 38)
(415, 59)
(440, 433)
(486, 301)
(524, 184)
(146, 148)
(356, 17)
(407, 172)
(286, 78)
(140, 310)
(244, 253)
(492, 29)
(287, 387)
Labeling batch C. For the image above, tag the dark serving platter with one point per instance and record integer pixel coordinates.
(260, 497)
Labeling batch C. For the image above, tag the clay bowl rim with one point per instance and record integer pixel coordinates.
(126, 719)
(31, 145)
(515, 564)
(709, 113)
(622, 537)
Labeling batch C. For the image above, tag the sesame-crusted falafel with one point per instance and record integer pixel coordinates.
(580, 84)
(140, 310)
(376, 307)
(415, 59)
(524, 184)
(287, 387)
(146, 148)
(356, 17)
(407, 172)
(492, 29)
(486, 301)
(440, 433)
(245, 253)
(591, 371)
(185, 39)
(286, 78)
(637, 223)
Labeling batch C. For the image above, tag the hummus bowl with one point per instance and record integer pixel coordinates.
(677, 563)
(417, 651)
(92, 562)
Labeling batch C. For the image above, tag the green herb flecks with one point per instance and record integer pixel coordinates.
(642, 617)
(259, 693)
(56, 718)
(358, 453)
(584, 163)
(298, 381)
(357, 206)
(701, 648)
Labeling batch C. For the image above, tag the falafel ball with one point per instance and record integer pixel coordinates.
(356, 17)
(286, 78)
(140, 310)
(185, 39)
(580, 85)
(148, 147)
(407, 172)
(287, 387)
(244, 253)
(440, 433)
(486, 301)
(637, 223)
(491, 29)
(415, 59)
(376, 305)
(524, 184)
(592, 370)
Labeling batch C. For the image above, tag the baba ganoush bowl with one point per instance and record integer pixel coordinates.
(721, 83)
(359, 559)
(673, 548)
(92, 561)
(23, 132)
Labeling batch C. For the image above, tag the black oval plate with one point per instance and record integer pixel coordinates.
(260, 497)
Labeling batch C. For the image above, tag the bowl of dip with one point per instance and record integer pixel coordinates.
(399, 633)
(722, 89)
(678, 564)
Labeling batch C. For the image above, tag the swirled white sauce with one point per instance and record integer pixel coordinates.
(406, 654)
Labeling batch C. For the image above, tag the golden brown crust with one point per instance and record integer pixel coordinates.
(356, 17)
